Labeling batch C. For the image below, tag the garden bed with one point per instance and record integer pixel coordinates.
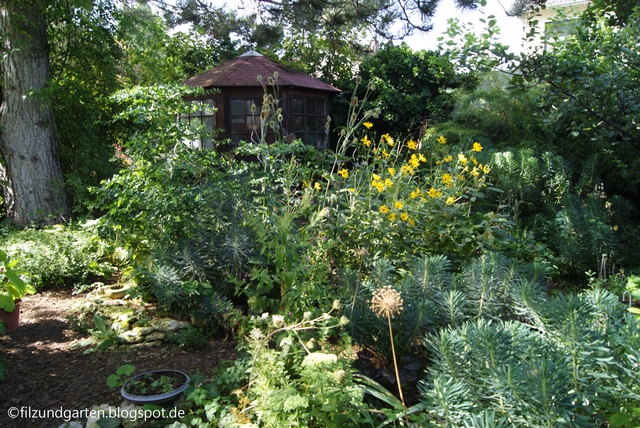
(44, 373)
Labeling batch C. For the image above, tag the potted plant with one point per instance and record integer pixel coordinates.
(12, 289)
(152, 387)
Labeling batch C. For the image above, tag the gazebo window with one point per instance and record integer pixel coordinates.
(244, 120)
(310, 121)
(202, 117)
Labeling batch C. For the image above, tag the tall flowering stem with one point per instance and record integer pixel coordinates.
(387, 302)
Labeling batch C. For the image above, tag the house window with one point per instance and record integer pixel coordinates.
(244, 118)
(310, 121)
(203, 123)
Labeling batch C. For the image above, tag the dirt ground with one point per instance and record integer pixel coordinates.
(43, 373)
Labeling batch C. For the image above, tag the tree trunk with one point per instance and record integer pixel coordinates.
(30, 170)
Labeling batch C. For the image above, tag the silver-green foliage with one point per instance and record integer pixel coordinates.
(575, 365)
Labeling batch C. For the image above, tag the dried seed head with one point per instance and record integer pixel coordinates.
(358, 80)
(354, 101)
(259, 78)
(386, 302)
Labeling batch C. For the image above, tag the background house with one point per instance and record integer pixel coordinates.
(544, 23)
(303, 100)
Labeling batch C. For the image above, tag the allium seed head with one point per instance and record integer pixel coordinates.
(386, 302)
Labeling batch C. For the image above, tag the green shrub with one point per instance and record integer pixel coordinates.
(62, 255)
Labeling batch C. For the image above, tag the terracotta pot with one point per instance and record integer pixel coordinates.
(11, 319)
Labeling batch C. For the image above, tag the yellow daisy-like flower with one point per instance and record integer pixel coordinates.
(486, 169)
(366, 141)
(414, 161)
(404, 216)
(344, 173)
(384, 209)
(385, 154)
(392, 216)
(441, 139)
(412, 145)
(392, 171)
(438, 163)
(305, 184)
(475, 172)
(450, 200)
(476, 147)
(414, 194)
(447, 178)
(462, 158)
(398, 205)
(351, 189)
(367, 125)
(448, 158)
(379, 185)
(375, 177)
(434, 193)
(412, 222)
(407, 170)
(388, 139)
(421, 157)
(388, 182)
(317, 186)
(474, 160)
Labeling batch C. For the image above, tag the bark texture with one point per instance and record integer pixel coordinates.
(30, 169)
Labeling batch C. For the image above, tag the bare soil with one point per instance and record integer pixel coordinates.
(43, 373)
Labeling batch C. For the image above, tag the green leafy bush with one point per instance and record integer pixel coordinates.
(572, 365)
(62, 255)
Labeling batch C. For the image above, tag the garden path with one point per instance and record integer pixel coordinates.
(43, 373)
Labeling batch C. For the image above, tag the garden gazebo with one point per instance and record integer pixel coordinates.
(303, 99)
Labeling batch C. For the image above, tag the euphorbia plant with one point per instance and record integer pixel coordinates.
(12, 286)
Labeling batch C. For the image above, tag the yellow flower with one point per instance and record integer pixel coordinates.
(392, 216)
(414, 194)
(367, 125)
(474, 160)
(366, 141)
(448, 158)
(421, 157)
(412, 222)
(384, 209)
(412, 145)
(388, 182)
(305, 184)
(462, 159)
(351, 189)
(344, 172)
(386, 155)
(392, 171)
(317, 186)
(438, 163)
(447, 178)
(441, 139)
(389, 139)
(406, 170)
(486, 169)
(450, 200)
(475, 172)
(404, 216)
(398, 205)
(378, 185)
(414, 161)
(476, 147)
(375, 177)
(434, 193)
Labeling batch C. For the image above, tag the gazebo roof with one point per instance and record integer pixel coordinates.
(244, 70)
